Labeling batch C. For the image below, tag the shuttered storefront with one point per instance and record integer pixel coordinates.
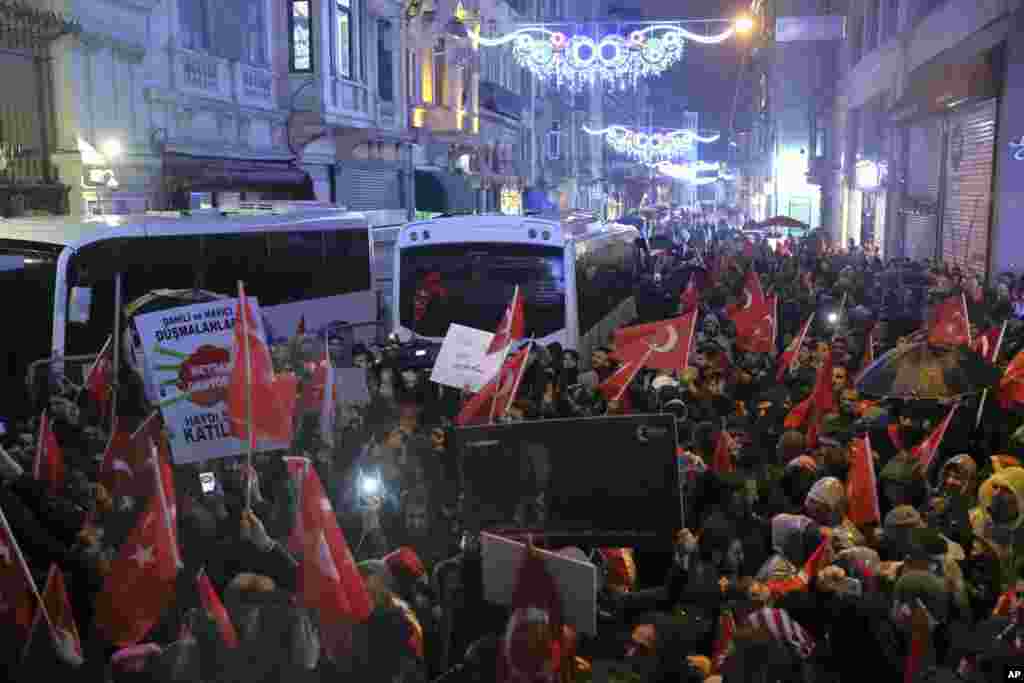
(920, 208)
(967, 205)
(366, 189)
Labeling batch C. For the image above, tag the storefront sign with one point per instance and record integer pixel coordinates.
(869, 175)
(1018, 149)
(188, 363)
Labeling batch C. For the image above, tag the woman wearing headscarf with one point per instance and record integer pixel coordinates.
(826, 505)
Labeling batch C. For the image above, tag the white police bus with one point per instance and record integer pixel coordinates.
(312, 263)
(577, 277)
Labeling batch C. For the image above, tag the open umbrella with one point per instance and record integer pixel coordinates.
(782, 222)
(921, 371)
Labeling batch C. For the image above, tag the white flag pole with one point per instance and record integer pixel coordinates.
(165, 509)
(640, 365)
(24, 568)
(508, 347)
(995, 357)
(243, 308)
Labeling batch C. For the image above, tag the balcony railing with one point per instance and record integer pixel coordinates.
(206, 75)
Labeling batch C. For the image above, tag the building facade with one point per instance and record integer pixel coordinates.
(785, 154)
(926, 110)
(29, 182)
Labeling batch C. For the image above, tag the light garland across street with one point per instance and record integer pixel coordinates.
(651, 147)
(576, 61)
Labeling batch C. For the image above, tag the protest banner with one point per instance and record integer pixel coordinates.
(187, 353)
(463, 359)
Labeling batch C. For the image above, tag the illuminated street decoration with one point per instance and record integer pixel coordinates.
(576, 61)
(651, 147)
(690, 172)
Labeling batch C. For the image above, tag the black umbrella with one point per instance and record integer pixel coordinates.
(921, 371)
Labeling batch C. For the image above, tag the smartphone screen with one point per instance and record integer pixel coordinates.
(208, 481)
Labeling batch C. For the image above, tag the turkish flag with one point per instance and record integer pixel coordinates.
(819, 559)
(48, 465)
(17, 603)
(926, 450)
(669, 341)
(1011, 386)
(793, 352)
(755, 326)
(297, 468)
(690, 298)
(215, 608)
(722, 461)
(512, 326)
(99, 381)
(989, 342)
(273, 398)
(141, 584)
(531, 646)
(862, 485)
(313, 390)
(633, 358)
(798, 415)
(331, 584)
(753, 295)
(948, 324)
(497, 395)
(63, 640)
(125, 469)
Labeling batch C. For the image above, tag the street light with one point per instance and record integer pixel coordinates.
(744, 24)
(111, 149)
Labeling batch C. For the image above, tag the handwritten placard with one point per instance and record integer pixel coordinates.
(463, 360)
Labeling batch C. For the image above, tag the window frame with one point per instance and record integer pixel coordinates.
(291, 37)
(345, 8)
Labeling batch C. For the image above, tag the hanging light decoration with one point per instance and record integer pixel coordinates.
(691, 172)
(579, 60)
(651, 147)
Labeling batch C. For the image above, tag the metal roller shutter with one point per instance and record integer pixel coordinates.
(968, 200)
(366, 189)
(924, 161)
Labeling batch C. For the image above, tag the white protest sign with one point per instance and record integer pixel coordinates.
(576, 581)
(463, 359)
(188, 362)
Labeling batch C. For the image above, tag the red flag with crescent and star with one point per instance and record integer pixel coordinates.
(948, 325)
(670, 341)
(512, 326)
(793, 352)
(494, 397)
(141, 583)
(755, 326)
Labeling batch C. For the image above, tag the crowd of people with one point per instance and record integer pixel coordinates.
(772, 579)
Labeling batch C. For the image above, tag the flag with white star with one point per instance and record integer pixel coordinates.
(141, 583)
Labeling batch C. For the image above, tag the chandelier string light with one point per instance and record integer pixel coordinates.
(691, 172)
(576, 61)
(651, 147)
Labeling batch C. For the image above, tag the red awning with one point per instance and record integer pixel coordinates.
(213, 173)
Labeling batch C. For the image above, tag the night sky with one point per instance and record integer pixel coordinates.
(705, 81)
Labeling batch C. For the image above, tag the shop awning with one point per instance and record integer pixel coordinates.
(210, 174)
(443, 192)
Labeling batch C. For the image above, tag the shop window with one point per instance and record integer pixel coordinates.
(300, 25)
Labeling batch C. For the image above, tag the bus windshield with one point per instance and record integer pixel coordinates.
(281, 269)
(471, 284)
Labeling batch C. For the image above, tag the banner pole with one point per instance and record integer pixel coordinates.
(243, 308)
(115, 380)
